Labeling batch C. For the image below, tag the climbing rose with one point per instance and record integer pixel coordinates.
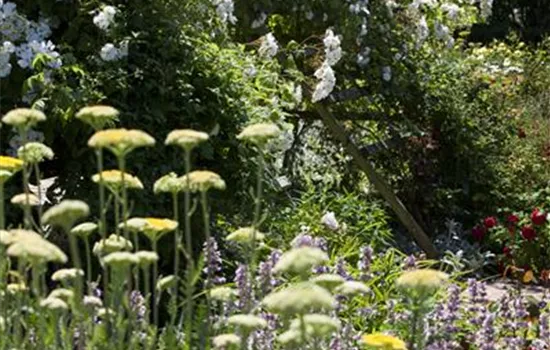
(538, 217)
(490, 222)
(478, 233)
(528, 233)
(512, 219)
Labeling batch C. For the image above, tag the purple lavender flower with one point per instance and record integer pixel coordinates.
(137, 305)
(365, 261)
(213, 263)
(265, 339)
(244, 287)
(410, 262)
(544, 327)
(305, 240)
(265, 279)
(485, 339)
(340, 269)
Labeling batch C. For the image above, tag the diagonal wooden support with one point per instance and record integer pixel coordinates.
(340, 134)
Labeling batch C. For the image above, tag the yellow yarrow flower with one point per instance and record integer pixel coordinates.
(384, 341)
(120, 141)
(10, 164)
(186, 138)
(8, 167)
(98, 116)
(113, 180)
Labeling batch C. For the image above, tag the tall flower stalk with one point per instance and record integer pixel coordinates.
(187, 139)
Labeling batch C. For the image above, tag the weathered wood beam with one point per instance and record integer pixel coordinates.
(340, 134)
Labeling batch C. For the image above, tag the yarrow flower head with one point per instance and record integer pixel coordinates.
(54, 304)
(85, 229)
(299, 298)
(350, 288)
(245, 235)
(66, 213)
(328, 280)
(23, 118)
(300, 260)
(202, 181)
(120, 141)
(169, 183)
(384, 341)
(35, 152)
(422, 280)
(146, 258)
(153, 228)
(120, 259)
(186, 138)
(98, 116)
(222, 294)
(247, 323)
(114, 180)
(259, 133)
(317, 325)
(226, 341)
(35, 249)
(113, 243)
(23, 200)
(63, 275)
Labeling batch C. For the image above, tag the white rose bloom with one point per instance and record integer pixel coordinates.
(109, 52)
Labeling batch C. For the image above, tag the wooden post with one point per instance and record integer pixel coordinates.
(340, 134)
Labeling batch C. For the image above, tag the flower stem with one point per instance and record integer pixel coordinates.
(40, 194)
(177, 246)
(88, 263)
(27, 209)
(2, 214)
(206, 224)
(156, 293)
(257, 208)
(189, 251)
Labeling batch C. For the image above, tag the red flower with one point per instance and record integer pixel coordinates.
(528, 233)
(490, 222)
(538, 217)
(478, 232)
(512, 219)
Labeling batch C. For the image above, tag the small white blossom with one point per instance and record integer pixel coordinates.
(451, 10)
(329, 220)
(269, 46)
(422, 31)
(224, 9)
(333, 51)
(258, 22)
(105, 18)
(326, 84)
